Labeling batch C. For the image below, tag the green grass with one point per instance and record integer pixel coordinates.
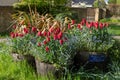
(114, 29)
(11, 70)
(118, 1)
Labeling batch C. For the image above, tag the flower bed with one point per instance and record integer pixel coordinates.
(57, 43)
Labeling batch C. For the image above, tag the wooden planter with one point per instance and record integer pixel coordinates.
(44, 68)
(89, 60)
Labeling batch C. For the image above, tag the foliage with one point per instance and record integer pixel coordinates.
(99, 4)
(114, 29)
(62, 17)
(21, 44)
(45, 39)
(115, 51)
(42, 6)
(112, 1)
(110, 20)
(114, 26)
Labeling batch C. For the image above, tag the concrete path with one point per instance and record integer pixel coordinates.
(116, 37)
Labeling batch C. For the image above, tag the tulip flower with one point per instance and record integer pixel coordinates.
(47, 48)
(34, 29)
(79, 26)
(45, 42)
(48, 33)
(101, 25)
(14, 26)
(59, 35)
(61, 42)
(48, 39)
(39, 33)
(73, 22)
(12, 34)
(69, 26)
(20, 35)
(38, 44)
(25, 30)
(45, 33)
(55, 37)
(16, 35)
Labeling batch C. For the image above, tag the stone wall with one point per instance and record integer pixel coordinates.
(5, 17)
(7, 2)
(91, 14)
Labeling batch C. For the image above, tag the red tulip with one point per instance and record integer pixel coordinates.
(61, 41)
(14, 26)
(47, 48)
(101, 25)
(58, 30)
(39, 33)
(12, 34)
(96, 24)
(45, 42)
(79, 26)
(91, 24)
(106, 24)
(59, 36)
(73, 22)
(88, 25)
(34, 29)
(48, 39)
(51, 29)
(48, 33)
(25, 30)
(55, 37)
(45, 33)
(16, 35)
(69, 26)
(83, 21)
(38, 44)
(20, 35)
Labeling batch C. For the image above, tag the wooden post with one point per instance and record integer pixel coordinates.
(97, 14)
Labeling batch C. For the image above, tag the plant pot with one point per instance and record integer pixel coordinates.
(44, 68)
(29, 59)
(89, 60)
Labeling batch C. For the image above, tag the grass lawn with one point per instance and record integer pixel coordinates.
(114, 29)
(118, 1)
